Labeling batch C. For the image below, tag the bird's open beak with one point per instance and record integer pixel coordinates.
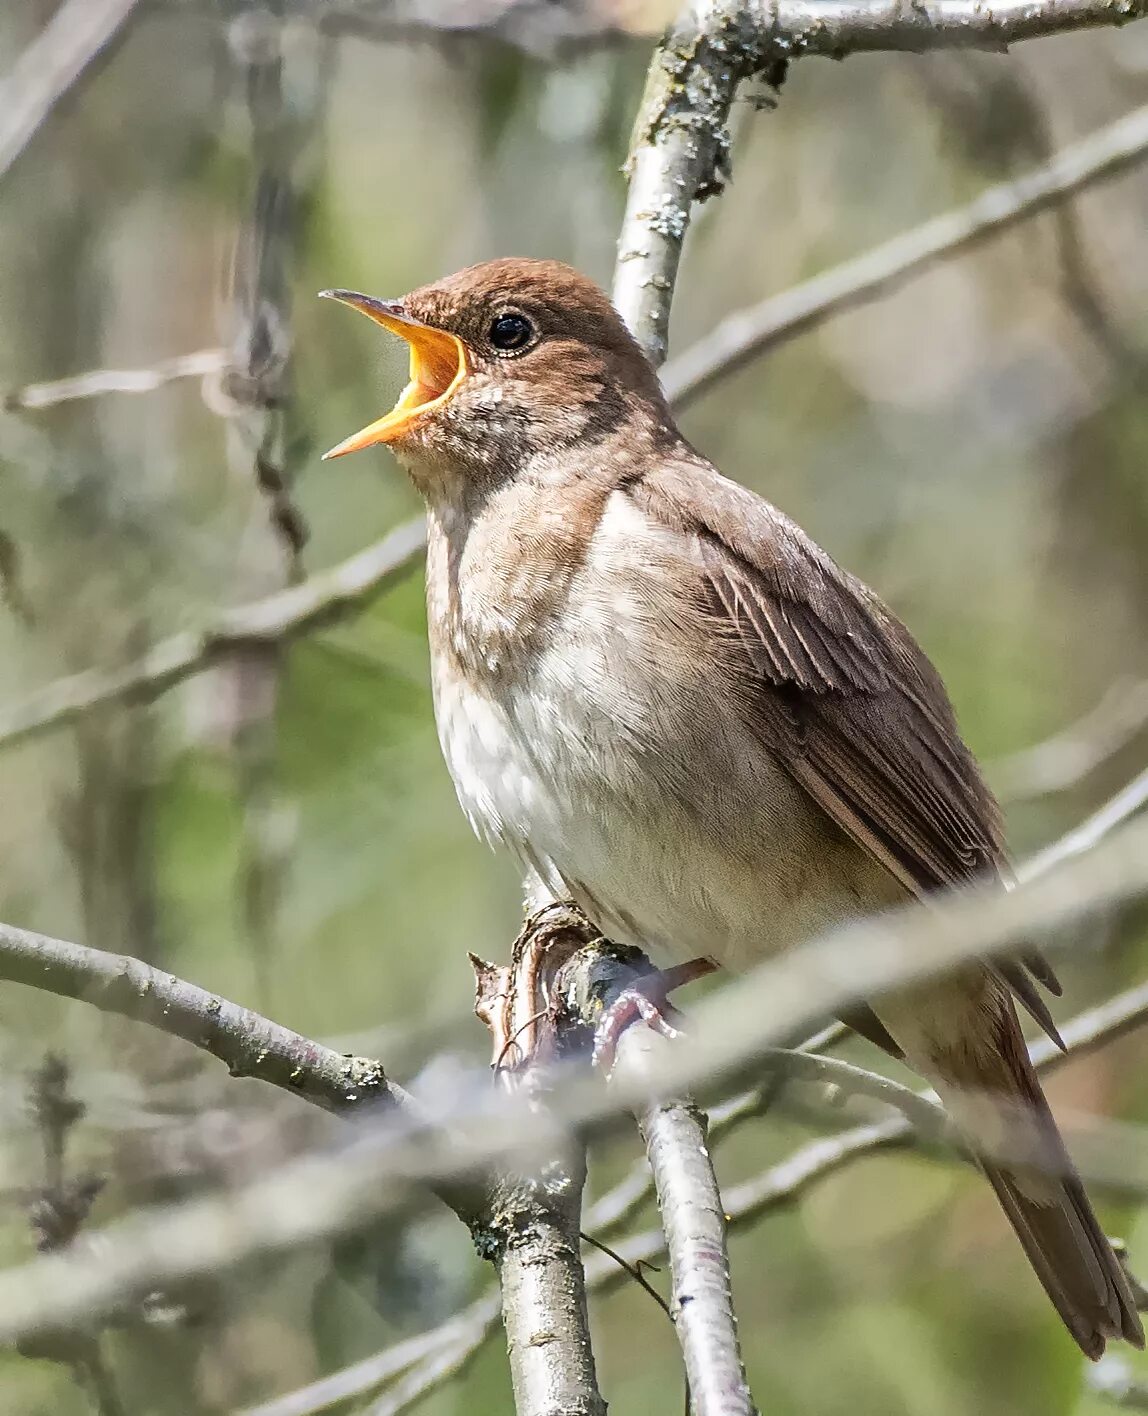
(438, 366)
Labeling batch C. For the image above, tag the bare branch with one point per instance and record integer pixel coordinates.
(693, 1220)
(535, 1217)
(1126, 803)
(249, 1045)
(534, 1228)
(1104, 155)
(323, 598)
(76, 35)
(681, 143)
(419, 1356)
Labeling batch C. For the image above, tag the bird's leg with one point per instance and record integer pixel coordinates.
(647, 998)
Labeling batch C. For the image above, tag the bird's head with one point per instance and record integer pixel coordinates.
(509, 361)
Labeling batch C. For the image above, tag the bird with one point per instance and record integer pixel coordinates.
(669, 703)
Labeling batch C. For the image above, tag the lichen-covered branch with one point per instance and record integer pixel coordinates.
(680, 148)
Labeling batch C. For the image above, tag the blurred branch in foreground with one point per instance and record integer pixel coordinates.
(733, 1030)
(780, 1185)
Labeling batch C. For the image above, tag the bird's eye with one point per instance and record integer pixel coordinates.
(509, 333)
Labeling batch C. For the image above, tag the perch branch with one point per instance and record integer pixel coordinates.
(535, 1216)
(749, 333)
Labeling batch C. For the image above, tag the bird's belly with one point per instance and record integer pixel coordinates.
(688, 842)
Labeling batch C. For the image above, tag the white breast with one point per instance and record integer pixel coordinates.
(628, 781)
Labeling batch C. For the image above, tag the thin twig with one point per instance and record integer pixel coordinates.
(322, 599)
(72, 40)
(1126, 803)
(471, 1327)
(1102, 156)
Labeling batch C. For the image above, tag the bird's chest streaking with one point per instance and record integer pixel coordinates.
(587, 729)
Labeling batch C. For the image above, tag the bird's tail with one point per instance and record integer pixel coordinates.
(998, 1103)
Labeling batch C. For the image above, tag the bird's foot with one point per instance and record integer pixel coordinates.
(648, 998)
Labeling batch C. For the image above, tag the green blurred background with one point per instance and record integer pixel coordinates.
(282, 830)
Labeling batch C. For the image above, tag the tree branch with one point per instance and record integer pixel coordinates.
(680, 150)
(693, 1221)
(749, 333)
(534, 1221)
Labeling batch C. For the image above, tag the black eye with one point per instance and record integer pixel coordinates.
(511, 332)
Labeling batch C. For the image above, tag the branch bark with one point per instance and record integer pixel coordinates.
(693, 1220)
(680, 151)
(536, 1218)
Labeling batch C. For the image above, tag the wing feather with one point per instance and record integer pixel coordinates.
(840, 692)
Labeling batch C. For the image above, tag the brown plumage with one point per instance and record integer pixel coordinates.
(663, 697)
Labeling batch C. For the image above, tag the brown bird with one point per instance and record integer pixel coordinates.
(664, 698)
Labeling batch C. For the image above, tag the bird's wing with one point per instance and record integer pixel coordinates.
(839, 691)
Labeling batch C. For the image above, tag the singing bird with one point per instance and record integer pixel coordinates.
(662, 696)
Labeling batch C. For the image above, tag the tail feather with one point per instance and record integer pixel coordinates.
(1073, 1259)
(986, 1080)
